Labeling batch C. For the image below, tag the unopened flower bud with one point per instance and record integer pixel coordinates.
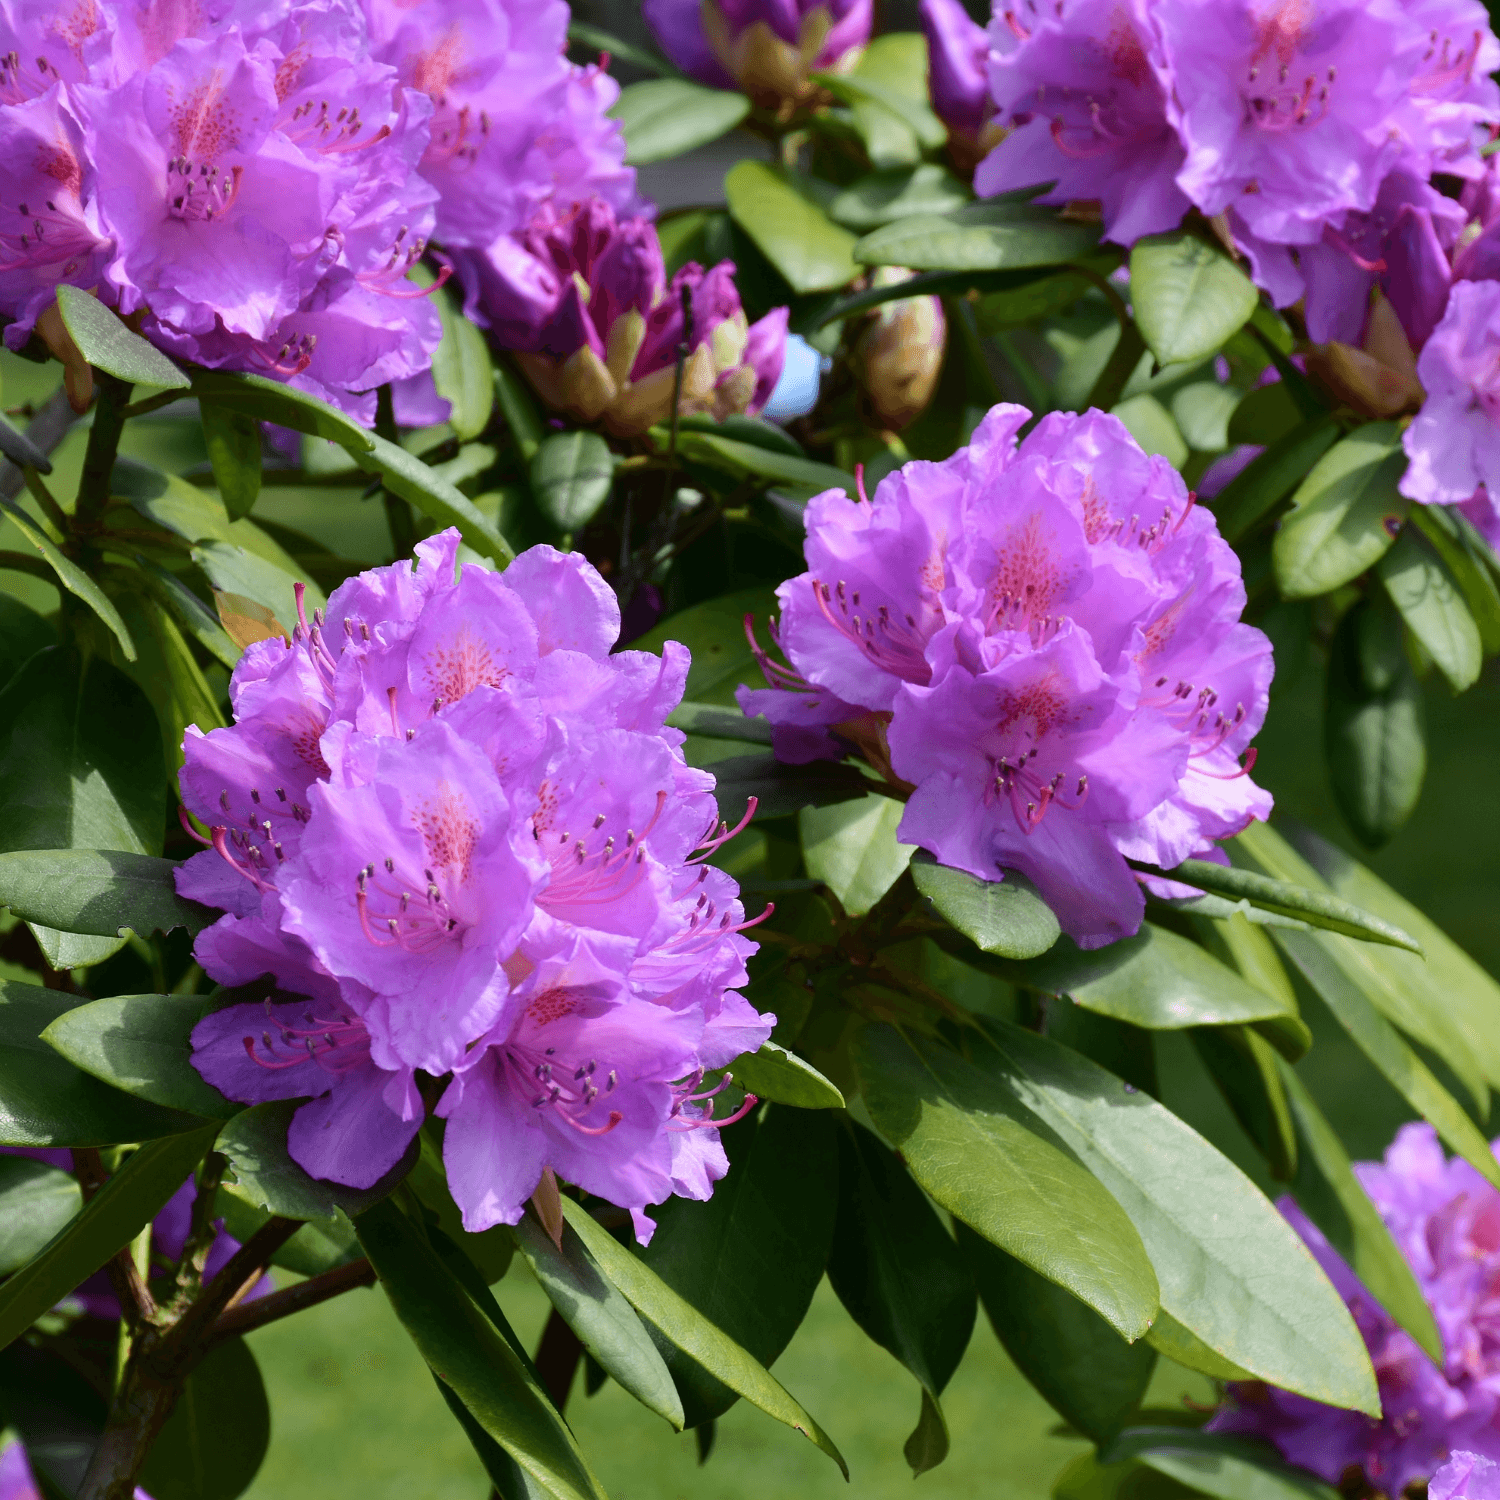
(958, 52)
(898, 357)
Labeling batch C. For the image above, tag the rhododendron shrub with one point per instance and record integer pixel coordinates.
(655, 675)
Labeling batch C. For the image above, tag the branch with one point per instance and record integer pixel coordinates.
(292, 1299)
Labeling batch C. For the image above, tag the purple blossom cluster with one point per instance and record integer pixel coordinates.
(1042, 643)
(452, 828)
(251, 184)
(1446, 1220)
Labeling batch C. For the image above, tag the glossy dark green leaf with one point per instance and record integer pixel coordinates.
(1155, 979)
(212, 1444)
(1088, 1479)
(191, 612)
(98, 891)
(46, 1101)
(1243, 1065)
(1374, 724)
(714, 632)
(596, 1310)
(901, 1278)
(36, 1201)
(1424, 592)
(70, 575)
(233, 442)
(751, 1257)
(1005, 917)
(766, 462)
(989, 1159)
(690, 1331)
(109, 345)
(265, 1175)
(141, 1045)
(666, 117)
(132, 1197)
(780, 788)
(896, 192)
(1089, 1374)
(462, 371)
(1331, 1195)
(1344, 515)
(852, 848)
(865, 95)
(790, 230)
(571, 476)
(407, 476)
(719, 723)
(993, 236)
(23, 632)
(1232, 1272)
(1265, 416)
(320, 1245)
(463, 1347)
(782, 1077)
(1464, 556)
(1271, 476)
(271, 401)
(1315, 907)
(1223, 1466)
(1188, 296)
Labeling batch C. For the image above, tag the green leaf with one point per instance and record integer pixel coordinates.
(463, 1347)
(1081, 1366)
(719, 723)
(1087, 1479)
(1201, 409)
(320, 1245)
(749, 1259)
(571, 475)
(407, 476)
(271, 401)
(36, 1201)
(852, 848)
(1429, 601)
(1006, 917)
(1331, 1196)
(81, 764)
(1268, 479)
(714, 632)
(784, 1078)
(1222, 1466)
(231, 569)
(1243, 1066)
(46, 1101)
(233, 443)
(1345, 514)
(893, 193)
(1266, 415)
(192, 613)
(1470, 998)
(109, 345)
(1373, 732)
(991, 1161)
(21, 451)
(780, 788)
(765, 462)
(667, 117)
(97, 891)
(916, 115)
(140, 1044)
(1463, 554)
(1151, 425)
(1183, 1347)
(599, 40)
(518, 409)
(463, 372)
(113, 1217)
(1232, 1272)
(790, 230)
(595, 1309)
(216, 1437)
(23, 632)
(1315, 907)
(901, 1278)
(690, 1331)
(266, 1177)
(993, 236)
(71, 576)
(1189, 297)
(1155, 979)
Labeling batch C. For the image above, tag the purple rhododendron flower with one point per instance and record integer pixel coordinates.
(1466, 1476)
(1454, 443)
(584, 299)
(1445, 1218)
(1085, 97)
(958, 52)
(1046, 639)
(765, 47)
(450, 825)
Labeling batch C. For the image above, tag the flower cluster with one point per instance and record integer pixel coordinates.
(767, 48)
(583, 298)
(1043, 642)
(252, 188)
(1446, 1220)
(1306, 124)
(451, 827)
